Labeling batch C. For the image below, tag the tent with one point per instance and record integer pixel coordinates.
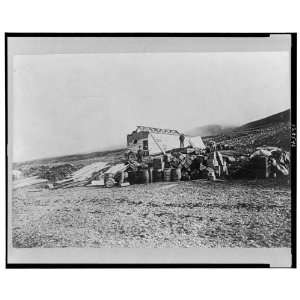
(195, 142)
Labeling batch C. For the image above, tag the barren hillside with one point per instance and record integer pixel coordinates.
(271, 131)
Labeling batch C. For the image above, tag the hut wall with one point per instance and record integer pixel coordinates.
(136, 139)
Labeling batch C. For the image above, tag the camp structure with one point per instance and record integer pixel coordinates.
(156, 140)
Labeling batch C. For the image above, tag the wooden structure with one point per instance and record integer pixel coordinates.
(154, 140)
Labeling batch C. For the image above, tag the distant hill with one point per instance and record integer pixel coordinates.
(208, 130)
(274, 130)
(284, 116)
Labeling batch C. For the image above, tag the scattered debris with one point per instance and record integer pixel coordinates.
(83, 176)
(30, 181)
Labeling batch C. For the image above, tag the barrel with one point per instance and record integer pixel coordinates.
(157, 163)
(145, 176)
(176, 174)
(142, 176)
(150, 171)
(167, 174)
(120, 176)
(108, 176)
(109, 180)
(157, 175)
(212, 176)
(132, 177)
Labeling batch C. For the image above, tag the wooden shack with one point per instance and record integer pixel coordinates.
(156, 140)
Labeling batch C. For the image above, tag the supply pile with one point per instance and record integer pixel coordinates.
(178, 164)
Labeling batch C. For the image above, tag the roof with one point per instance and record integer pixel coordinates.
(157, 130)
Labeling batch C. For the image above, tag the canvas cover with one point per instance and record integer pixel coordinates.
(163, 142)
(195, 142)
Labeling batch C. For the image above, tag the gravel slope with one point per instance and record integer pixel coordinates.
(184, 214)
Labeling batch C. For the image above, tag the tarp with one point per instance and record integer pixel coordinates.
(269, 148)
(196, 142)
(261, 152)
(163, 142)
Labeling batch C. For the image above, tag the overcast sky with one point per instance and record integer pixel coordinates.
(73, 103)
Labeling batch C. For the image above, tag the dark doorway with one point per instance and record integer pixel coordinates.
(145, 145)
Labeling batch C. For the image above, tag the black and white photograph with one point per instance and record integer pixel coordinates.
(151, 149)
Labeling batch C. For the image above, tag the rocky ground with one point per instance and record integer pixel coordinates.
(185, 214)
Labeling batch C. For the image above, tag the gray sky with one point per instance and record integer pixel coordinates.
(72, 103)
